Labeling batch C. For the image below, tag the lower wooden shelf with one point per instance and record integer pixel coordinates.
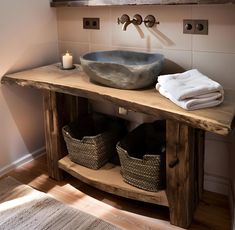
(109, 179)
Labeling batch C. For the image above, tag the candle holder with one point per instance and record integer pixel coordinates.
(67, 61)
(62, 68)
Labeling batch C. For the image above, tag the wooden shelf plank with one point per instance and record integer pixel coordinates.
(77, 3)
(109, 179)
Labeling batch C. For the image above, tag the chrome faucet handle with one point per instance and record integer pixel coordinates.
(124, 18)
(150, 21)
(137, 19)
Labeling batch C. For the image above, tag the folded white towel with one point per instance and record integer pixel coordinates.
(188, 84)
(199, 102)
(190, 90)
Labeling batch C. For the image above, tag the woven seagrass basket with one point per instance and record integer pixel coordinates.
(90, 146)
(146, 171)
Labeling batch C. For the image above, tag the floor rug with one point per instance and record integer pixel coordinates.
(22, 207)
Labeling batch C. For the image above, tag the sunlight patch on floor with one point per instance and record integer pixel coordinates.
(31, 196)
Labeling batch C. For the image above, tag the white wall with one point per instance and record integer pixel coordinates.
(212, 54)
(28, 39)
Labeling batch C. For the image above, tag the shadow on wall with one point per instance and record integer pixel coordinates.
(161, 37)
(25, 107)
(171, 67)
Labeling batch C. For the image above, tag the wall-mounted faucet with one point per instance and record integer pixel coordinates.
(149, 21)
(125, 20)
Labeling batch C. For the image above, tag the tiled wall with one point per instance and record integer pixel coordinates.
(213, 54)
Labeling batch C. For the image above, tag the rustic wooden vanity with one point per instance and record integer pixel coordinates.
(66, 95)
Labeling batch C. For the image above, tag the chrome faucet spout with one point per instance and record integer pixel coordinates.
(125, 20)
(127, 23)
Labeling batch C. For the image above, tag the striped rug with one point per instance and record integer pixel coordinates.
(24, 208)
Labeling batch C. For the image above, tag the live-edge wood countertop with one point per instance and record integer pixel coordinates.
(218, 119)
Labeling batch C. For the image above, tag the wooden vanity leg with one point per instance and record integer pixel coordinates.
(51, 134)
(200, 157)
(59, 109)
(181, 192)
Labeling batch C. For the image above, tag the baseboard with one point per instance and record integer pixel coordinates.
(216, 184)
(22, 160)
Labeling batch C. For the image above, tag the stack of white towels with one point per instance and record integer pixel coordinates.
(190, 90)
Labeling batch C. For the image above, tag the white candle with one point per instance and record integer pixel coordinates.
(67, 61)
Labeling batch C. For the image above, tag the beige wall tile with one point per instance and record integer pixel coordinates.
(221, 37)
(217, 137)
(176, 61)
(102, 36)
(170, 29)
(77, 49)
(96, 47)
(217, 162)
(70, 24)
(137, 49)
(168, 34)
(218, 66)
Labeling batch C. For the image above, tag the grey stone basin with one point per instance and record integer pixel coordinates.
(122, 69)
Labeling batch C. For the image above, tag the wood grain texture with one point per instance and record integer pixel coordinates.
(52, 134)
(109, 179)
(180, 178)
(75, 82)
(59, 110)
(200, 158)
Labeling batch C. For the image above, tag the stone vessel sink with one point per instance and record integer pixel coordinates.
(122, 69)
